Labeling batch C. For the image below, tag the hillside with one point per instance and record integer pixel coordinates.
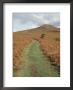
(47, 36)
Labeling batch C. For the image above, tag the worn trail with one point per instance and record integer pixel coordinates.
(35, 63)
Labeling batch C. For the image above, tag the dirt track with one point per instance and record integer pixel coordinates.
(35, 64)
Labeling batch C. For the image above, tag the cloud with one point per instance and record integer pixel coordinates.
(23, 21)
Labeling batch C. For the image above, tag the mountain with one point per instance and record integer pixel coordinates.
(49, 27)
(48, 38)
(44, 27)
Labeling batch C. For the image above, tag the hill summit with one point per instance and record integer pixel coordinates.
(49, 27)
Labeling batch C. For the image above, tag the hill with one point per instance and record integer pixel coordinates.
(48, 37)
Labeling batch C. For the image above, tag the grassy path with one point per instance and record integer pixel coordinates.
(35, 64)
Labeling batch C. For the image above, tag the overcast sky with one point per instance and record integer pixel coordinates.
(24, 21)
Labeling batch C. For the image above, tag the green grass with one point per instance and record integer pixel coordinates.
(35, 63)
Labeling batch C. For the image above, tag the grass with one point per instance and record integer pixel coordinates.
(49, 39)
(35, 63)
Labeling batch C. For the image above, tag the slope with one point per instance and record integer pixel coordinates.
(35, 64)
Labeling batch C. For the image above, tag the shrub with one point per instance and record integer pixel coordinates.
(42, 35)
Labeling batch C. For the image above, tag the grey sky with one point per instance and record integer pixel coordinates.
(24, 21)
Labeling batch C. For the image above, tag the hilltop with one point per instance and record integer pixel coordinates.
(43, 27)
